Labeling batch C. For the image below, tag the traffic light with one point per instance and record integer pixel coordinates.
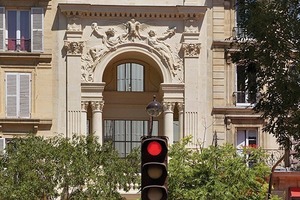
(154, 168)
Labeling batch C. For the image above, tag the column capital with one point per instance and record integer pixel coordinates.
(168, 106)
(180, 106)
(84, 106)
(97, 106)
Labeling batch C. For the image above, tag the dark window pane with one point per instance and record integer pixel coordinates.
(126, 134)
(130, 77)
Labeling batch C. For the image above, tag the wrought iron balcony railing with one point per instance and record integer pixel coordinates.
(240, 33)
(245, 98)
(14, 44)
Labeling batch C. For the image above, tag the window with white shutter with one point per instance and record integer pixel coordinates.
(21, 30)
(18, 91)
(2, 146)
(2, 28)
(37, 25)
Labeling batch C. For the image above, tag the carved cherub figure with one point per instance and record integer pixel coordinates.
(164, 49)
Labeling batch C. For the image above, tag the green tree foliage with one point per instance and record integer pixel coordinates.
(273, 45)
(77, 168)
(218, 173)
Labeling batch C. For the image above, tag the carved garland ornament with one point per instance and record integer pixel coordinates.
(133, 28)
(191, 49)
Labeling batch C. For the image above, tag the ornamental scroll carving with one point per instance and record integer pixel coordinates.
(133, 32)
(191, 49)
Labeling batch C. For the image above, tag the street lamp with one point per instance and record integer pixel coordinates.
(154, 109)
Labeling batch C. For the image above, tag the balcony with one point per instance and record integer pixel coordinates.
(245, 98)
(288, 164)
(239, 33)
(18, 45)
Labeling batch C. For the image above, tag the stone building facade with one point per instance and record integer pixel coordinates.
(91, 67)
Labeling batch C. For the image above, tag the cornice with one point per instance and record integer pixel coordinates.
(221, 43)
(113, 11)
(25, 58)
(235, 111)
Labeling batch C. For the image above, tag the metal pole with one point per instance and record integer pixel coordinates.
(150, 126)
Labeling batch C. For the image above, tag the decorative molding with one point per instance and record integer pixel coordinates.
(228, 123)
(180, 107)
(191, 49)
(74, 23)
(124, 11)
(15, 58)
(168, 106)
(191, 26)
(74, 47)
(97, 106)
(133, 35)
(84, 106)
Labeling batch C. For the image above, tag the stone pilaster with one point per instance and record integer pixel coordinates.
(74, 47)
(193, 84)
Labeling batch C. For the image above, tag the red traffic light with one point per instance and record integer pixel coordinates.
(154, 157)
(154, 148)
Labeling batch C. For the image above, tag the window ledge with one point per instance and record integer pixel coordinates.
(25, 121)
(9, 57)
(18, 125)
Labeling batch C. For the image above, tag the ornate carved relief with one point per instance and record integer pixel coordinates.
(74, 47)
(74, 23)
(168, 106)
(180, 107)
(133, 33)
(191, 26)
(97, 106)
(84, 106)
(191, 49)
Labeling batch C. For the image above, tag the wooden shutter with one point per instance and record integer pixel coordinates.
(37, 26)
(24, 100)
(11, 95)
(2, 28)
(2, 145)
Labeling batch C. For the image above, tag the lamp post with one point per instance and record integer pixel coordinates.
(154, 109)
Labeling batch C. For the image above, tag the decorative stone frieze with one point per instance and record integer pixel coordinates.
(191, 49)
(74, 47)
(97, 106)
(112, 11)
(131, 33)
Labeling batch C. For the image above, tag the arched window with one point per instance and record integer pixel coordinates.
(130, 77)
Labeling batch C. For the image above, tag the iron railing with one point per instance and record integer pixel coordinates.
(245, 97)
(14, 44)
(240, 33)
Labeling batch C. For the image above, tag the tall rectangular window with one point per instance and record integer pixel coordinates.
(246, 87)
(246, 138)
(18, 91)
(130, 77)
(21, 30)
(126, 134)
(18, 30)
